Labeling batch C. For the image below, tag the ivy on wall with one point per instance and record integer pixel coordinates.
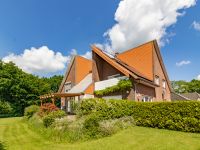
(122, 85)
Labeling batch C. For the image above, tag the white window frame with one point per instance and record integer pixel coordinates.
(157, 80)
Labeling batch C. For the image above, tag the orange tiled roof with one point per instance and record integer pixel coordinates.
(83, 67)
(140, 58)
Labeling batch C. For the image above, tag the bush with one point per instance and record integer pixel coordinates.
(46, 108)
(91, 125)
(31, 110)
(180, 116)
(49, 119)
(111, 126)
(2, 146)
(5, 108)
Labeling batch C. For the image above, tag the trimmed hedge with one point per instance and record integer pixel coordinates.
(179, 116)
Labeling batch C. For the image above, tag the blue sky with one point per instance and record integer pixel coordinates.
(65, 25)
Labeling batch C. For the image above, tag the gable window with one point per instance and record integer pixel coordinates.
(164, 84)
(68, 86)
(157, 80)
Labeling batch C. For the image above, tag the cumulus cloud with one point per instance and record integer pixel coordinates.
(196, 25)
(42, 60)
(198, 77)
(144, 20)
(39, 60)
(183, 62)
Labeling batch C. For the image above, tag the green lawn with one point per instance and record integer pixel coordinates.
(18, 136)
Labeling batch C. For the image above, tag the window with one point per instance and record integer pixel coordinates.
(157, 80)
(68, 86)
(164, 84)
(146, 99)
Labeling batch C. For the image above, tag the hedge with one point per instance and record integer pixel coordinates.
(179, 116)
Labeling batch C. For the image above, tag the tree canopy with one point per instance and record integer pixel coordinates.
(186, 87)
(21, 89)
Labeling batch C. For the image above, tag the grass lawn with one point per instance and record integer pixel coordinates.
(18, 136)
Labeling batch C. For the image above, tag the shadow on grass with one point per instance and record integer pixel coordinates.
(2, 146)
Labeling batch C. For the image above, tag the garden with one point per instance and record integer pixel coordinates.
(97, 118)
(105, 124)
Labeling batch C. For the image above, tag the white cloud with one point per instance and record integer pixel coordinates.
(39, 60)
(144, 20)
(196, 25)
(42, 60)
(87, 55)
(198, 77)
(183, 62)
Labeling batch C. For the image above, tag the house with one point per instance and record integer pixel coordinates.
(142, 66)
(185, 96)
(77, 81)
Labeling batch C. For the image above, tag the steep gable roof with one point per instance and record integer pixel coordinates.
(110, 61)
(137, 62)
(123, 67)
(83, 67)
(140, 58)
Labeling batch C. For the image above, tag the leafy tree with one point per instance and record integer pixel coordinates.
(186, 87)
(21, 89)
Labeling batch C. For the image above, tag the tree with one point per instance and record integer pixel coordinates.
(186, 87)
(21, 89)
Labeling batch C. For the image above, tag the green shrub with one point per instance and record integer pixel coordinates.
(49, 119)
(5, 108)
(111, 126)
(31, 110)
(122, 86)
(180, 116)
(2, 146)
(91, 125)
(108, 127)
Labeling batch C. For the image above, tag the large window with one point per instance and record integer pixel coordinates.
(157, 80)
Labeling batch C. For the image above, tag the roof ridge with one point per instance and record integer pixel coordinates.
(136, 47)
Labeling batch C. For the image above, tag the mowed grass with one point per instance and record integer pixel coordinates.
(18, 136)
